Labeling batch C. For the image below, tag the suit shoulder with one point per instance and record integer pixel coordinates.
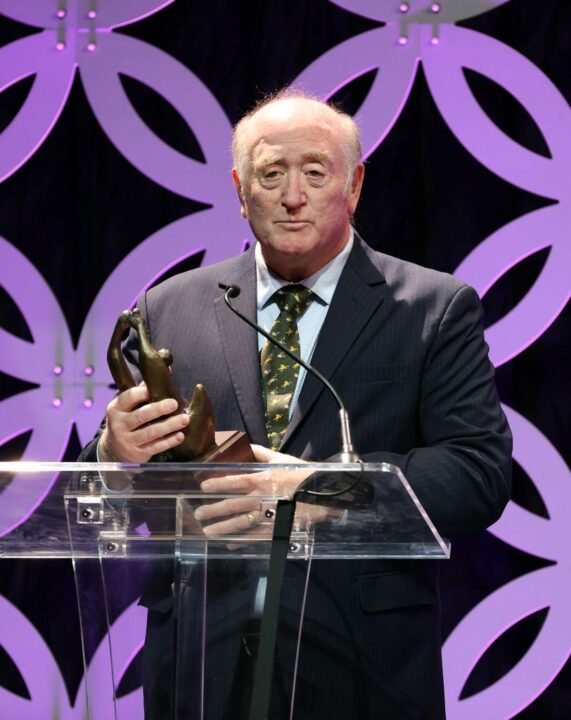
(431, 301)
(410, 280)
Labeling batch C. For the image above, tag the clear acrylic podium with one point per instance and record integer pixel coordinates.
(223, 576)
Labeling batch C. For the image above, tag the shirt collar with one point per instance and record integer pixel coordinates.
(322, 283)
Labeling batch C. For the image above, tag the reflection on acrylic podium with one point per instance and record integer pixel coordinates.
(225, 599)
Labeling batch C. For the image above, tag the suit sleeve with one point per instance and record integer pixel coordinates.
(461, 472)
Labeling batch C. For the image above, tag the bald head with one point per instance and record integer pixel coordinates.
(294, 108)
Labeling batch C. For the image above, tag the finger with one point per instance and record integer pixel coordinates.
(151, 432)
(190, 524)
(129, 399)
(228, 484)
(241, 523)
(264, 454)
(224, 508)
(152, 411)
(161, 445)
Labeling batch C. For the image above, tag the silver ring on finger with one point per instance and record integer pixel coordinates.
(251, 519)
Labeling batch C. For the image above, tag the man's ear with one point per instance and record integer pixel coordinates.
(238, 186)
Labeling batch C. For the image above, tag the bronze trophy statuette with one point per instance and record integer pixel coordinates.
(201, 443)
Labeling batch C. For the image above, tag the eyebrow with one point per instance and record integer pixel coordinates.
(274, 160)
(317, 156)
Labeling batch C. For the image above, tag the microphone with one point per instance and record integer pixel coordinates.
(348, 453)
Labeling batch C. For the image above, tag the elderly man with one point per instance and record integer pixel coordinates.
(403, 346)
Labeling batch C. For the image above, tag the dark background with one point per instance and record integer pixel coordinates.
(77, 207)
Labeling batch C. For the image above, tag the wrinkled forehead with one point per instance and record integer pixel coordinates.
(291, 122)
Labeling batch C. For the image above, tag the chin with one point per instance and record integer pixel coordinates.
(292, 266)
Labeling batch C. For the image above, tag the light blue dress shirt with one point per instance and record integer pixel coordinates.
(322, 283)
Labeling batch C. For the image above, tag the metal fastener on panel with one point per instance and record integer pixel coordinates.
(90, 510)
(270, 513)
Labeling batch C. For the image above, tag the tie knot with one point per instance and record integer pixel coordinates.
(293, 299)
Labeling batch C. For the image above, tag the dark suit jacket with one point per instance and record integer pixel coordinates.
(404, 348)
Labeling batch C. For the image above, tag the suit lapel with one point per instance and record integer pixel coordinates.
(240, 344)
(355, 300)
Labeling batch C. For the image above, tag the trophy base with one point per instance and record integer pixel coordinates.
(232, 446)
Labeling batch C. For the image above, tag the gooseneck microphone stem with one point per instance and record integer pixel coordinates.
(348, 454)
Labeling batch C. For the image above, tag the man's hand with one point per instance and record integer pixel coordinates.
(137, 429)
(241, 515)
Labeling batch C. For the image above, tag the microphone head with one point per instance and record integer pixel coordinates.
(231, 291)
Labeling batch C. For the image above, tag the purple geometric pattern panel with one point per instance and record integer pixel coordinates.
(47, 688)
(73, 382)
(549, 587)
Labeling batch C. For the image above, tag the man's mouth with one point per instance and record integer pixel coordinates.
(293, 224)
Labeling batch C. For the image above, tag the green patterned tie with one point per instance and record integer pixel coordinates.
(279, 371)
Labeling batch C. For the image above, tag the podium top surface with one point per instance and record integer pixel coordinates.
(227, 511)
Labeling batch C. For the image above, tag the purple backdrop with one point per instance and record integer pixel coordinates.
(73, 382)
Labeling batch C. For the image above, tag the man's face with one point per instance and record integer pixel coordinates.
(295, 193)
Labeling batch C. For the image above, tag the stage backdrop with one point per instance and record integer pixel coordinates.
(115, 123)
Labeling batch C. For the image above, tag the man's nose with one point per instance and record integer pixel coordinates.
(293, 195)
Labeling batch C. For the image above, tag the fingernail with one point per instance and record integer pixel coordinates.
(199, 514)
(206, 485)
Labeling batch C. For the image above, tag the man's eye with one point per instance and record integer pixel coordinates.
(270, 177)
(316, 176)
